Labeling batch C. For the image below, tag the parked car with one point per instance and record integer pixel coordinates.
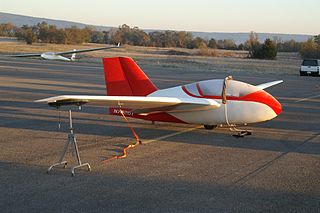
(310, 67)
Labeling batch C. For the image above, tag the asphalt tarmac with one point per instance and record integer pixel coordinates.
(179, 168)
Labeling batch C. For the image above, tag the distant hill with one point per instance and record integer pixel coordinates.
(242, 37)
(20, 20)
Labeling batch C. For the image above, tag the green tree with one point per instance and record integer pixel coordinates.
(97, 37)
(252, 44)
(317, 39)
(7, 29)
(60, 36)
(310, 49)
(132, 36)
(289, 46)
(75, 35)
(266, 51)
(241, 46)
(27, 33)
(29, 36)
(138, 37)
(183, 38)
(198, 43)
(43, 29)
(220, 44)
(269, 49)
(229, 44)
(51, 34)
(156, 39)
(213, 44)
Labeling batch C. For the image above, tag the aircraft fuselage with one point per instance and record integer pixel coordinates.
(53, 56)
(244, 104)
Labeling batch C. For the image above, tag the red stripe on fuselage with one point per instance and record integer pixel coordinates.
(260, 96)
(162, 116)
(199, 89)
(188, 93)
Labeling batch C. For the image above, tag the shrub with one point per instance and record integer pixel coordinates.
(266, 51)
(204, 51)
(27, 34)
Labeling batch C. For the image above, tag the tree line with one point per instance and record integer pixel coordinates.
(311, 48)
(43, 32)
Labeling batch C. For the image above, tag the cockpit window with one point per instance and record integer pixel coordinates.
(192, 88)
(211, 87)
(49, 53)
(233, 89)
(239, 89)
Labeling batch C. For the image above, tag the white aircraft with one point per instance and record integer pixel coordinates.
(59, 55)
(211, 103)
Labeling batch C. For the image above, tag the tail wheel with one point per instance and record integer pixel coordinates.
(210, 127)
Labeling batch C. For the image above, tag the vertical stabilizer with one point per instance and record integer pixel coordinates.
(124, 77)
(73, 56)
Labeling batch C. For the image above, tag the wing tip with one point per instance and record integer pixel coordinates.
(269, 84)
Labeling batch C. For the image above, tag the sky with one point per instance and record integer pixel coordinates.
(271, 16)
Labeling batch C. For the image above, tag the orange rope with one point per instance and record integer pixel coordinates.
(124, 151)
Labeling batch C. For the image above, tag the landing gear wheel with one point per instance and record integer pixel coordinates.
(210, 127)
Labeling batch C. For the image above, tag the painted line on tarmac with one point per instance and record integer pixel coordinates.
(307, 98)
(170, 135)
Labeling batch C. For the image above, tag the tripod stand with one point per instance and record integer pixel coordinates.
(73, 143)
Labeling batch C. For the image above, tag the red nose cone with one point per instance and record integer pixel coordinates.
(263, 97)
(274, 104)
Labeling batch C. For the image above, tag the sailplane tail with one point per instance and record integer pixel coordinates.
(125, 78)
(73, 57)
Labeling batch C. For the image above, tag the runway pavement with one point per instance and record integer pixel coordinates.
(180, 168)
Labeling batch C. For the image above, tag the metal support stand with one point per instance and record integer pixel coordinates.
(242, 133)
(73, 142)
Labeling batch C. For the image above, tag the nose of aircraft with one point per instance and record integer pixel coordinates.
(273, 104)
(267, 99)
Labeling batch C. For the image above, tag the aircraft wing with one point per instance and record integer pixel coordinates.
(86, 50)
(25, 55)
(139, 104)
(269, 84)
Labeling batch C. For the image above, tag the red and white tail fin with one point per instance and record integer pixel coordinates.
(125, 78)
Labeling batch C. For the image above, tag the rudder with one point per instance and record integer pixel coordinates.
(124, 77)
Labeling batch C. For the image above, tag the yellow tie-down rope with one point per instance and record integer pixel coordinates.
(124, 151)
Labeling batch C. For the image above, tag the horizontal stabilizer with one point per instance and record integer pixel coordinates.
(139, 104)
(269, 84)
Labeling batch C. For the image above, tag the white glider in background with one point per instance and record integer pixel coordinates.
(60, 55)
